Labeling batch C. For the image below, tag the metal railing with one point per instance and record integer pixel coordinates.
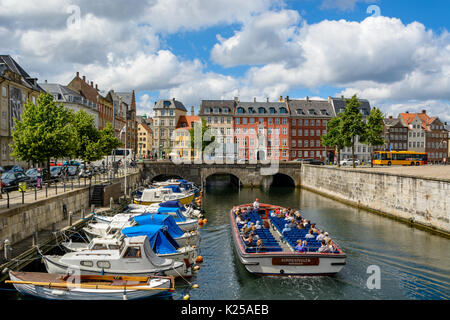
(59, 185)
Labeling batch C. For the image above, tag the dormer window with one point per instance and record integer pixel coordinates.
(166, 104)
(312, 111)
(216, 110)
(240, 110)
(272, 110)
(283, 110)
(251, 110)
(300, 111)
(261, 110)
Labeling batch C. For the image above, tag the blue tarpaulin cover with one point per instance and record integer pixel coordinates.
(179, 216)
(175, 189)
(161, 219)
(172, 204)
(160, 240)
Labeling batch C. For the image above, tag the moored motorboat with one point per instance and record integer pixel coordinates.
(158, 195)
(188, 210)
(277, 257)
(89, 287)
(135, 257)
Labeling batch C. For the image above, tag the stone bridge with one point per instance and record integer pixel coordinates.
(249, 175)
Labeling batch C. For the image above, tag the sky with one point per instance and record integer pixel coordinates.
(394, 53)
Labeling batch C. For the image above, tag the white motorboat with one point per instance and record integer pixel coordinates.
(113, 225)
(277, 257)
(89, 287)
(188, 211)
(158, 195)
(165, 246)
(135, 257)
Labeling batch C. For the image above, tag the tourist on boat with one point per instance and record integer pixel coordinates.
(260, 246)
(310, 235)
(326, 237)
(323, 248)
(239, 220)
(298, 217)
(330, 245)
(258, 225)
(300, 226)
(249, 241)
(301, 246)
(314, 229)
(320, 236)
(256, 204)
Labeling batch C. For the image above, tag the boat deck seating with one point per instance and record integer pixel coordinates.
(269, 242)
(295, 234)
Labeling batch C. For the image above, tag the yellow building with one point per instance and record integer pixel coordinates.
(144, 141)
(16, 88)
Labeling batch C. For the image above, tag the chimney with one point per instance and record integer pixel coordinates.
(96, 87)
(424, 111)
(254, 99)
(281, 99)
(407, 111)
(342, 97)
(92, 84)
(236, 99)
(287, 98)
(390, 117)
(78, 74)
(192, 110)
(267, 99)
(307, 99)
(45, 81)
(84, 78)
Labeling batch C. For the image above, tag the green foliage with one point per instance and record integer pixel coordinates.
(373, 135)
(200, 131)
(46, 131)
(334, 137)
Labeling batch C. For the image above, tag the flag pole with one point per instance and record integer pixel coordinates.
(126, 149)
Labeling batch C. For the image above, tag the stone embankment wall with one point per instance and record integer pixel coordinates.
(422, 201)
(22, 221)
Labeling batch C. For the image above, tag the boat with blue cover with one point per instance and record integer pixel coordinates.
(114, 225)
(278, 257)
(157, 195)
(188, 210)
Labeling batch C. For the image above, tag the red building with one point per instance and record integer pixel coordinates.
(262, 130)
(309, 119)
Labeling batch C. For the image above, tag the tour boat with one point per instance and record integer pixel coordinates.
(160, 239)
(158, 195)
(279, 257)
(135, 257)
(89, 287)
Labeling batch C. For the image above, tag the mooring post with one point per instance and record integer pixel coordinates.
(111, 202)
(92, 208)
(6, 249)
(53, 227)
(83, 212)
(35, 239)
(70, 218)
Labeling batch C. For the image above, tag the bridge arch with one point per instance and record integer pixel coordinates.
(164, 177)
(223, 178)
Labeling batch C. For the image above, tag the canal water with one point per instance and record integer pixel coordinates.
(413, 264)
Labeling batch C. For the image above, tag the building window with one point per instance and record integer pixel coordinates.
(284, 121)
(306, 122)
(306, 154)
(252, 121)
(300, 143)
(237, 121)
(293, 122)
(300, 132)
(270, 121)
(277, 120)
(284, 130)
(294, 143)
(244, 120)
(294, 132)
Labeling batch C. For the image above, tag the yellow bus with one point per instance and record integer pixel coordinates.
(388, 158)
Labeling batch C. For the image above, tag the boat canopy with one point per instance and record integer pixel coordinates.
(161, 219)
(173, 204)
(158, 236)
(176, 212)
(175, 189)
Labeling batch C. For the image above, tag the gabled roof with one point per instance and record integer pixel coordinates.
(339, 105)
(254, 108)
(311, 108)
(55, 88)
(7, 62)
(216, 104)
(173, 104)
(186, 121)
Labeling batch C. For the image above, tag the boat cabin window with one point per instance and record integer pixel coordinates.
(99, 246)
(103, 264)
(133, 252)
(113, 247)
(86, 263)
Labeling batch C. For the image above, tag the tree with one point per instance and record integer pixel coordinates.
(45, 131)
(334, 138)
(373, 135)
(88, 137)
(352, 124)
(108, 140)
(201, 132)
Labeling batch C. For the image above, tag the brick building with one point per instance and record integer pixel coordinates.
(309, 119)
(395, 135)
(262, 130)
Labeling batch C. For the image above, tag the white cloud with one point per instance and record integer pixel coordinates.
(342, 4)
(265, 38)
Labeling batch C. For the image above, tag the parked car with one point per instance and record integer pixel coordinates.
(13, 168)
(71, 163)
(73, 171)
(11, 180)
(310, 161)
(56, 172)
(349, 162)
(33, 174)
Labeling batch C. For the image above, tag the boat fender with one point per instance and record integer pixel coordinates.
(281, 271)
(205, 221)
(195, 286)
(186, 297)
(199, 259)
(5, 271)
(196, 268)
